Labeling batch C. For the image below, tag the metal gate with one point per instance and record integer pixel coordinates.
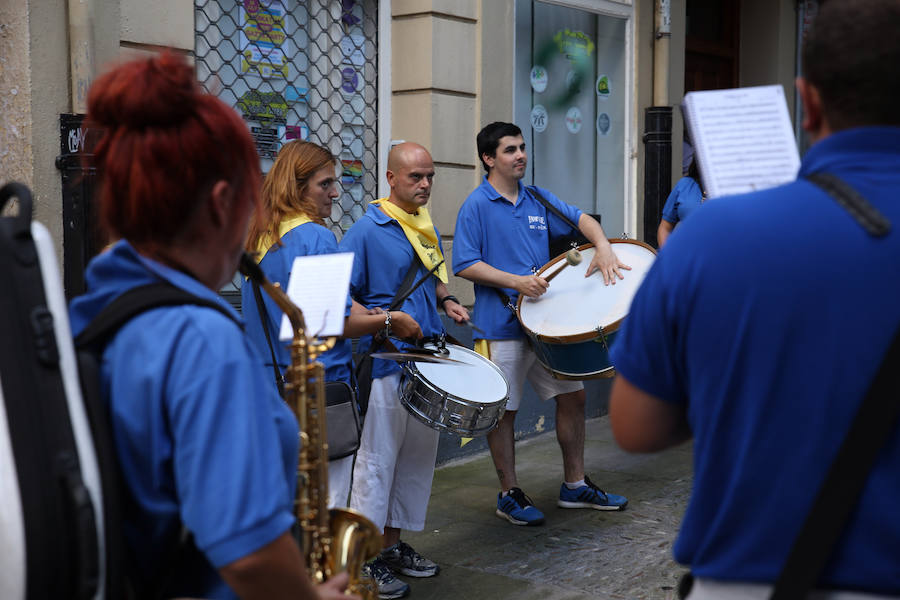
(299, 69)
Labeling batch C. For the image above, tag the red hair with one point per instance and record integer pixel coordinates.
(165, 143)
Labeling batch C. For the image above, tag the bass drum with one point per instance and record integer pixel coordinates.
(467, 399)
(573, 324)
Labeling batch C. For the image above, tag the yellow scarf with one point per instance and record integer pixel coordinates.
(420, 232)
(266, 241)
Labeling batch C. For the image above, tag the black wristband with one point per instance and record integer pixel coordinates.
(445, 298)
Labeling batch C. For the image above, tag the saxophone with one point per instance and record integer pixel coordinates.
(333, 540)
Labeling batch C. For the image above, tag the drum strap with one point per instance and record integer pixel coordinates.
(869, 217)
(540, 198)
(872, 427)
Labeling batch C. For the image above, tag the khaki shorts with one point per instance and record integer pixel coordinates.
(518, 361)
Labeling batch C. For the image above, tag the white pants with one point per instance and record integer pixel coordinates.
(395, 462)
(519, 362)
(340, 472)
(710, 589)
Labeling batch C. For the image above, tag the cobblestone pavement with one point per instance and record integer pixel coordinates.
(576, 554)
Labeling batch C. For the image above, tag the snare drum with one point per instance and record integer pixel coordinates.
(572, 325)
(467, 400)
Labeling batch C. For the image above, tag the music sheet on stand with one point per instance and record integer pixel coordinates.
(319, 285)
(743, 139)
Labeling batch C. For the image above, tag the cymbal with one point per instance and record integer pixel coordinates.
(417, 357)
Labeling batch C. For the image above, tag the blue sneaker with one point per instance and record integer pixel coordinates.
(589, 496)
(518, 509)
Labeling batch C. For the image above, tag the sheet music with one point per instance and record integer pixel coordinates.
(743, 139)
(319, 285)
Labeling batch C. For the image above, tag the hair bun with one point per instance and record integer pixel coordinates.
(156, 92)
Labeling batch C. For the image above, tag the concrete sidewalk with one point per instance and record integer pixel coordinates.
(577, 553)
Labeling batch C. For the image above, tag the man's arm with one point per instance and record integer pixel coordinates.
(642, 422)
(484, 274)
(605, 260)
(454, 310)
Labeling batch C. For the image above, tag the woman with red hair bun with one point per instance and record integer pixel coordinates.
(204, 443)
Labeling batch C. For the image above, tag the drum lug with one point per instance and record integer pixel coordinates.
(602, 335)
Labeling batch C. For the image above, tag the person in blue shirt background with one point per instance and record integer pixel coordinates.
(395, 463)
(684, 199)
(501, 238)
(732, 340)
(203, 441)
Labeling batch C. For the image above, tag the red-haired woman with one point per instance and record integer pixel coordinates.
(203, 441)
(297, 196)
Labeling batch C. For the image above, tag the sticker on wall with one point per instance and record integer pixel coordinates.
(351, 170)
(262, 35)
(603, 124)
(603, 87)
(293, 93)
(538, 78)
(296, 132)
(539, 118)
(573, 120)
(266, 107)
(349, 80)
(352, 47)
(352, 142)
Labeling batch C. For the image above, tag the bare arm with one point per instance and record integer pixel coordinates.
(642, 422)
(277, 571)
(454, 310)
(484, 274)
(605, 260)
(663, 232)
(364, 321)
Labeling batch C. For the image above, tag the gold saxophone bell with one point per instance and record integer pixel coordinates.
(354, 540)
(334, 540)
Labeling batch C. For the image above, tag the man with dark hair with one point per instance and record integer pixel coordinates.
(731, 339)
(501, 238)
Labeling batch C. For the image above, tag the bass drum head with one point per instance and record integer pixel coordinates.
(479, 380)
(575, 304)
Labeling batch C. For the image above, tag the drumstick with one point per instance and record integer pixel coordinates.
(573, 257)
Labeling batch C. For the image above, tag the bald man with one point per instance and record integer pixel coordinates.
(395, 462)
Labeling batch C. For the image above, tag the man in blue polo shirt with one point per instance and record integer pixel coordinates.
(501, 237)
(761, 325)
(395, 463)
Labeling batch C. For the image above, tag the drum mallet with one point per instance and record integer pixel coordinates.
(573, 257)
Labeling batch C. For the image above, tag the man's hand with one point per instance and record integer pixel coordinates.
(531, 285)
(456, 311)
(334, 588)
(609, 265)
(404, 326)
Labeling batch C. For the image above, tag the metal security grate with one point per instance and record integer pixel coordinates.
(299, 69)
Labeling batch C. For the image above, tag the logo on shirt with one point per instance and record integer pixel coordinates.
(536, 222)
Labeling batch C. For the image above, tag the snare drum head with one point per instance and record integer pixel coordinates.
(575, 304)
(479, 380)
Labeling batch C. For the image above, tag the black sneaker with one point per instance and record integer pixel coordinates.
(389, 587)
(402, 559)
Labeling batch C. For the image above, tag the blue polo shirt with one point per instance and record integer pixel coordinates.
(382, 256)
(684, 199)
(200, 434)
(304, 240)
(766, 318)
(509, 237)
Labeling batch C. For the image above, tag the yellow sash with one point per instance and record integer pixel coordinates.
(266, 241)
(419, 231)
